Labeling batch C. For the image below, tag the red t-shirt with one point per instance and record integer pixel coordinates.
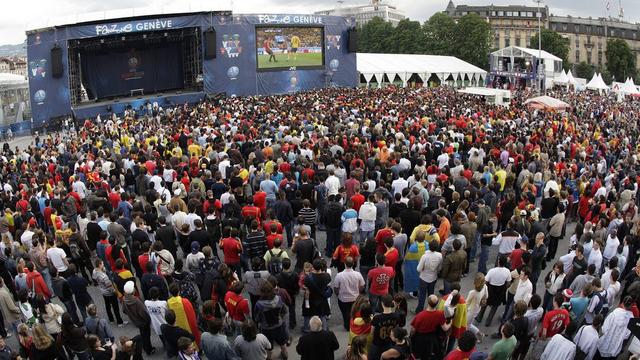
(142, 261)
(266, 226)
(458, 354)
(380, 236)
(428, 321)
(231, 250)
(380, 278)
(342, 253)
(272, 238)
(260, 201)
(237, 306)
(357, 200)
(391, 257)
(555, 321)
(516, 258)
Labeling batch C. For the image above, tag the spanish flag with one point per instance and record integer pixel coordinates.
(185, 315)
(459, 323)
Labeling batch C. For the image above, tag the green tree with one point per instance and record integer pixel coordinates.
(606, 75)
(472, 40)
(439, 33)
(407, 38)
(553, 43)
(620, 59)
(375, 36)
(584, 70)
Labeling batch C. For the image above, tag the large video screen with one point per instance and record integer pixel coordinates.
(289, 48)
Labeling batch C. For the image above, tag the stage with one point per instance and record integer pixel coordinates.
(91, 109)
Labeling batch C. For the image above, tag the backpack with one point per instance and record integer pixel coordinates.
(275, 264)
(602, 307)
(188, 290)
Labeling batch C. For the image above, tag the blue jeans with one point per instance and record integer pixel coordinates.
(364, 235)
(484, 256)
(425, 290)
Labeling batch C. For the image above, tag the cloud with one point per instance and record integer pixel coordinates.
(17, 16)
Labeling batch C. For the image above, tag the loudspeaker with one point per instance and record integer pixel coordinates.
(353, 40)
(210, 44)
(56, 62)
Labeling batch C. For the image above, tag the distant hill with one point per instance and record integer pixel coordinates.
(14, 50)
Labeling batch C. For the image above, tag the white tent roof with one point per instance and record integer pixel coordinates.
(629, 87)
(597, 83)
(547, 102)
(518, 51)
(571, 79)
(485, 91)
(562, 79)
(424, 66)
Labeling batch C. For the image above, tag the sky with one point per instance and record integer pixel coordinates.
(18, 16)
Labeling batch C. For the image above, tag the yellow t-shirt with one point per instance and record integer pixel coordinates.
(295, 42)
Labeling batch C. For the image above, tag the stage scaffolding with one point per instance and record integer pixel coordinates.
(190, 46)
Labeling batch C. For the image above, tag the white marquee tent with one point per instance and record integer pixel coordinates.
(570, 79)
(376, 66)
(563, 79)
(596, 83)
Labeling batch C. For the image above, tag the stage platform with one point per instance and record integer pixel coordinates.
(90, 110)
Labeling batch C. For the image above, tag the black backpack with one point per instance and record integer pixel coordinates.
(603, 306)
(275, 264)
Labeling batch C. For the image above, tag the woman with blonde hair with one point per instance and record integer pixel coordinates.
(44, 347)
(476, 299)
(25, 340)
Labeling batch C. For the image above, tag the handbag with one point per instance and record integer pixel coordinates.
(580, 354)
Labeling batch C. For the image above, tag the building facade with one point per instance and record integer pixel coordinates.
(511, 25)
(364, 13)
(515, 25)
(15, 65)
(588, 37)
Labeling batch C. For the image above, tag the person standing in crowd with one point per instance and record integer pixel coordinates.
(250, 344)
(108, 292)
(184, 311)
(316, 283)
(347, 285)
(498, 279)
(318, 343)
(137, 312)
(380, 279)
(381, 326)
(271, 315)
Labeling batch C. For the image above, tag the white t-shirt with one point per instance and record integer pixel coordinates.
(57, 256)
(156, 310)
(498, 276)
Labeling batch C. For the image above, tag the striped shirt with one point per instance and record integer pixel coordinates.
(309, 216)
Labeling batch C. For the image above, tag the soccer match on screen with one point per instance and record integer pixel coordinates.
(279, 47)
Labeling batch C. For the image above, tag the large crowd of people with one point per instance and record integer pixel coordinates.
(199, 225)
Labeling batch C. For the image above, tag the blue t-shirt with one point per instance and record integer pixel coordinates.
(578, 305)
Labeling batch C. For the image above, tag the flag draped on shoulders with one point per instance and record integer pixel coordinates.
(411, 260)
(185, 315)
